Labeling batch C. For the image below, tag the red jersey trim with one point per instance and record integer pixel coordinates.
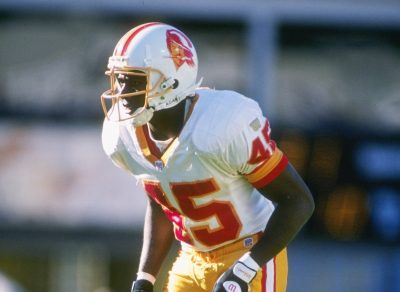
(269, 170)
(272, 175)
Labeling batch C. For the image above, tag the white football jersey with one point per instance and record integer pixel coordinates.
(205, 179)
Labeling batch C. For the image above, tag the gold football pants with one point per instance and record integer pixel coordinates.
(198, 271)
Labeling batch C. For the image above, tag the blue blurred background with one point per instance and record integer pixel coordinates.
(326, 74)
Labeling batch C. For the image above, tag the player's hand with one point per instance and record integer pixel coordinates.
(142, 285)
(237, 279)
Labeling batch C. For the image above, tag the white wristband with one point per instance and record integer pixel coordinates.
(249, 261)
(146, 276)
(244, 272)
(246, 268)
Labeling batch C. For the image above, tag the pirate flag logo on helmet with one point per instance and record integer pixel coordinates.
(180, 48)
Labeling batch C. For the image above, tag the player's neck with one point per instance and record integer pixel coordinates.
(167, 123)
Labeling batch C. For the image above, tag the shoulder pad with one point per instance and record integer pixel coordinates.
(221, 117)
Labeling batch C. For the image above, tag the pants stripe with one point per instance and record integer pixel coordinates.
(269, 276)
(264, 279)
(274, 274)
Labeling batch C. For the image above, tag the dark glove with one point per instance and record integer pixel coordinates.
(236, 279)
(142, 285)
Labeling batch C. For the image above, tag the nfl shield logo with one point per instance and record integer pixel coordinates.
(159, 165)
(248, 242)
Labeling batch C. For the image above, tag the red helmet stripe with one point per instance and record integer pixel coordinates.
(130, 36)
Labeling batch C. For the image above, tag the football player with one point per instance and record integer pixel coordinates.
(215, 179)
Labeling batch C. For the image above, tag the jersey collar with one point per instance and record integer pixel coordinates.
(148, 147)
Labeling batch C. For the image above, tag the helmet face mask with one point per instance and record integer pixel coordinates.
(129, 93)
(153, 67)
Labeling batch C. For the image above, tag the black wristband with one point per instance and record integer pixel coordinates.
(142, 285)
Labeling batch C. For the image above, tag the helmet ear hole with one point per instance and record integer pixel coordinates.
(175, 84)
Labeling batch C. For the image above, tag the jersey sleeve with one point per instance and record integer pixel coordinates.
(112, 143)
(253, 154)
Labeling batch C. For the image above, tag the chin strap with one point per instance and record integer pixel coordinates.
(143, 117)
(178, 98)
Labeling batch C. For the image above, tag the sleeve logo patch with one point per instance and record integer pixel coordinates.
(255, 124)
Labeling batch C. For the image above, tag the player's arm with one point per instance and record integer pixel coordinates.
(268, 170)
(294, 206)
(157, 240)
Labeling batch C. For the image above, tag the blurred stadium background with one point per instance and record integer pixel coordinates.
(325, 72)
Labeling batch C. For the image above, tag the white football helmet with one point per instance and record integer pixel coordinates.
(161, 54)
